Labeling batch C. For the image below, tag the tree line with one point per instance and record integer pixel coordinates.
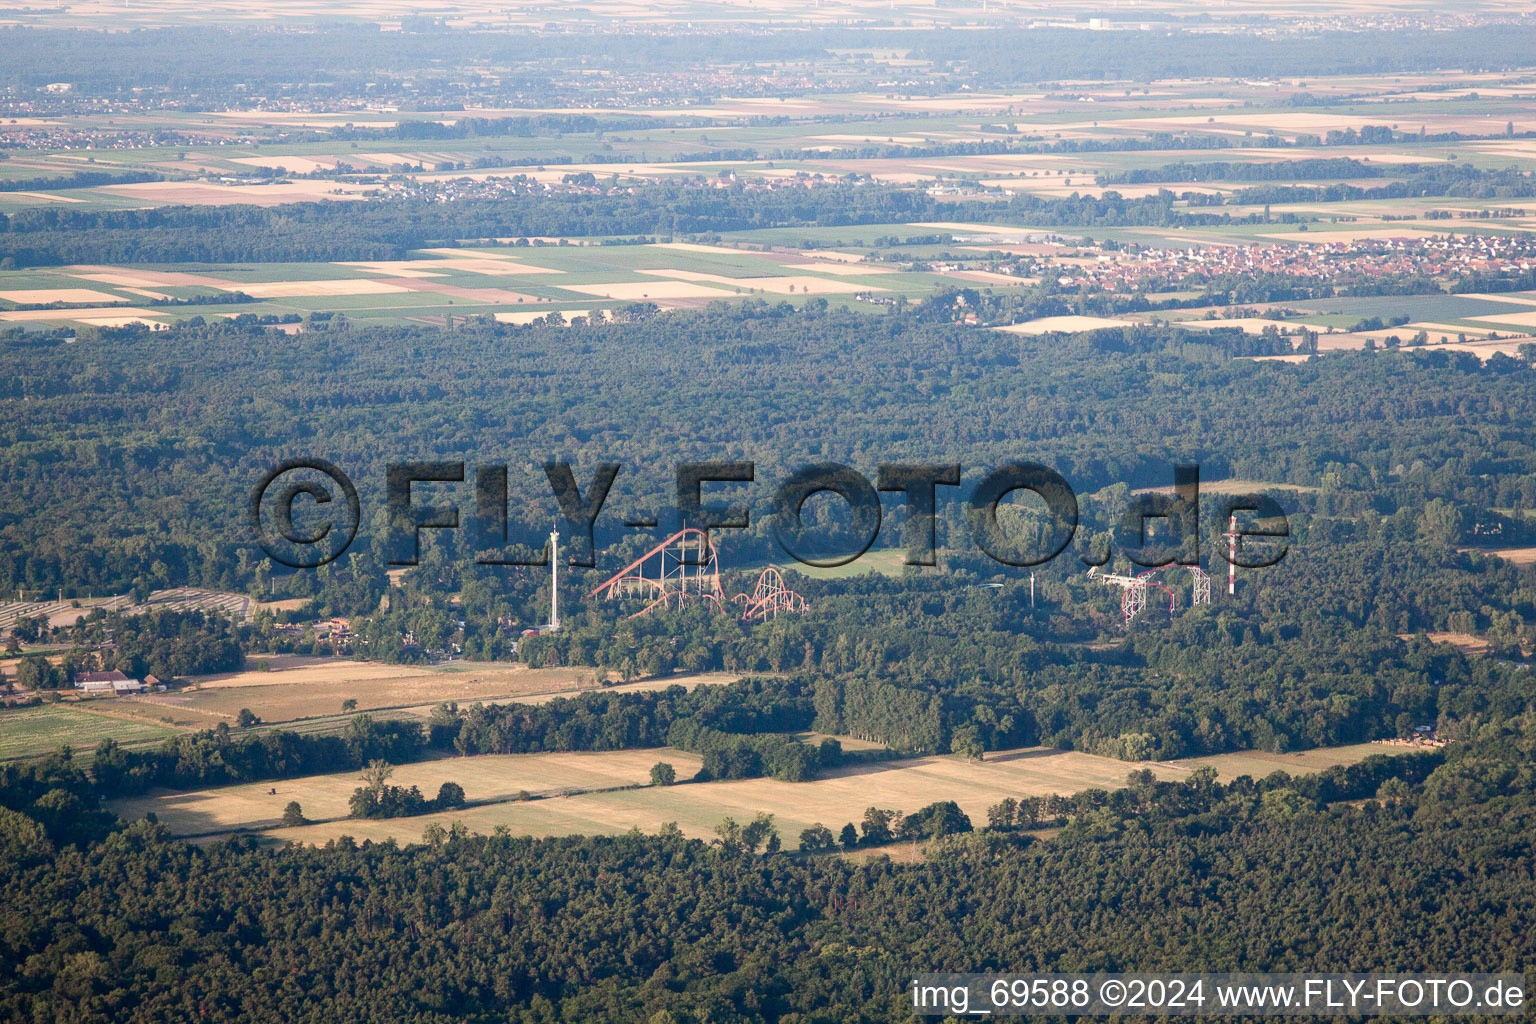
(1194, 875)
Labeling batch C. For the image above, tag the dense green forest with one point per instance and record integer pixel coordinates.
(1409, 863)
(130, 457)
(388, 230)
(740, 729)
(362, 59)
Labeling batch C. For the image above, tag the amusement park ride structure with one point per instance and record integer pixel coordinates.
(685, 569)
(1133, 589)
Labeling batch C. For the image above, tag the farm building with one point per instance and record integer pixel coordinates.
(113, 682)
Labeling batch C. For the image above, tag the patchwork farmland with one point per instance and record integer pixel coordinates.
(510, 283)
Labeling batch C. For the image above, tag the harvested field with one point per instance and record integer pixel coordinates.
(490, 267)
(693, 247)
(1519, 556)
(42, 296)
(489, 777)
(296, 688)
(296, 289)
(786, 285)
(1518, 319)
(121, 321)
(194, 193)
(832, 800)
(473, 254)
(1466, 643)
(988, 230)
(637, 290)
(149, 278)
(1514, 298)
(859, 269)
(395, 268)
(95, 312)
(1437, 330)
(1259, 763)
(1066, 324)
(529, 316)
(1253, 325)
(490, 295)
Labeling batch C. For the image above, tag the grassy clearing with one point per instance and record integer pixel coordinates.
(885, 561)
(31, 732)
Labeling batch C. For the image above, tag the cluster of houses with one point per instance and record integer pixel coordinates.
(1329, 260)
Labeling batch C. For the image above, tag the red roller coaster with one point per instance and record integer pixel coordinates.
(769, 598)
(683, 569)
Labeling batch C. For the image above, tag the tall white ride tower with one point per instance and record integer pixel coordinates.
(554, 577)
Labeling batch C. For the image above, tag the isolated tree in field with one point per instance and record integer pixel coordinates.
(247, 718)
(350, 704)
(376, 775)
(1143, 783)
(876, 826)
(943, 818)
(817, 837)
(743, 840)
(728, 837)
(293, 815)
(449, 795)
(663, 774)
(759, 832)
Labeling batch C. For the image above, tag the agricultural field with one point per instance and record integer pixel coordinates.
(266, 158)
(519, 284)
(490, 777)
(66, 612)
(241, 156)
(311, 690)
(697, 808)
(510, 283)
(302, 694)
(35, 731)
(1258, 764)
(1517, 556)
